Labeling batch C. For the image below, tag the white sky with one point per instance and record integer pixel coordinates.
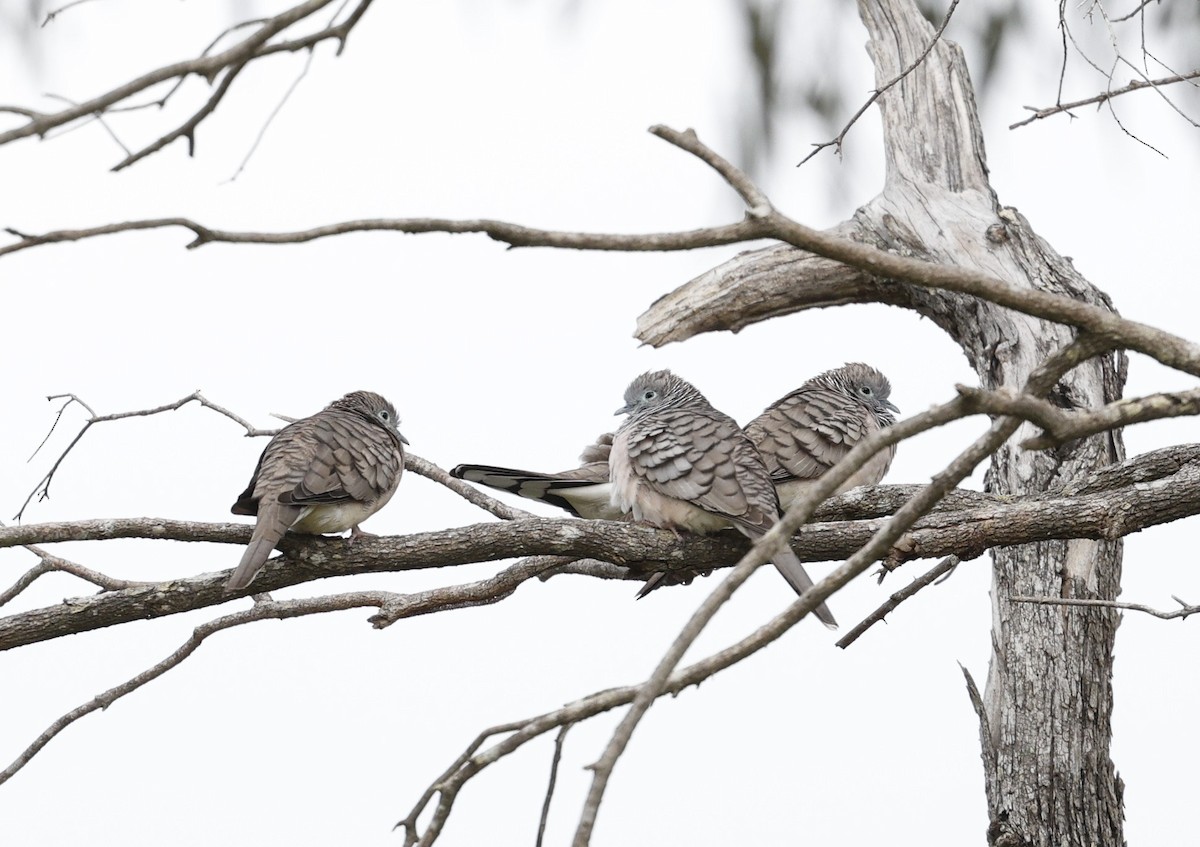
(322, 730)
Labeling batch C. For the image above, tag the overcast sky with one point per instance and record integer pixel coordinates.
(323, 730)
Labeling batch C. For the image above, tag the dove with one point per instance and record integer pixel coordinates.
(805, 433)
(324, 473)
(678, 463)
(582, 491)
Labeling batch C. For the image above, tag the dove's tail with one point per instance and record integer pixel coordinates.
(789, 566)
(272, 524)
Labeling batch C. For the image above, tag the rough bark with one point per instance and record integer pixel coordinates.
(1045, 714)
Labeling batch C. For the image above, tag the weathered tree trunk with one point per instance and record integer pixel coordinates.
(1045, 715)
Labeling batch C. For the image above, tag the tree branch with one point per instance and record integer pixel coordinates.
(1118, 502)
(1103, 97)
(227, 62)
(262, 610)
(514, 235)
(1181, 613)
(1062, 425)
(926, 579)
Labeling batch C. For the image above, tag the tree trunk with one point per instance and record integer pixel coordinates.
(1045, 715)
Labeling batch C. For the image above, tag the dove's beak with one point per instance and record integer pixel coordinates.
(624, 410)
(888, 404)
(403, 440)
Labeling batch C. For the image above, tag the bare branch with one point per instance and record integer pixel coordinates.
(42, 489)
(554, 762)
(924, 580)
(756, 201)
(262, 610)
(481, 593)
(54, 13)
(1181, 613)
(1103, 97)
(262, 132)
(257, 45)
(839, 139)
(513, 235)
(470, 493)
(1062, 426)
(1113, 503)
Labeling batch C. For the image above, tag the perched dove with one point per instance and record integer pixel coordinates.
(582, 491)
(678, 463)
(325, 473)
(804, 434)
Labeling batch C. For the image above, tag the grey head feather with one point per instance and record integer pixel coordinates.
(659, 390)
(374, 408)
(866, 385)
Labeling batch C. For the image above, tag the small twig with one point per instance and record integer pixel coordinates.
(438, 785)
(470, 493)
(558, 747)
(756, 201)
(1140, 7)
(926, 579)
(1102, 97)
(42, 489)
(256, 45)
(24, 581)
(58, 417)
(98, 117)
(840, 138)
(484, 592)
(262, 132)
(188, 128)
(1181, 613)
(54, 13)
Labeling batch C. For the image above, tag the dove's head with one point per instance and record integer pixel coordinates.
(374, 408)
(866, 385)
(658, 389)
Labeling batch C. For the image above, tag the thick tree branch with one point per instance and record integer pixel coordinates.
(1146, 491)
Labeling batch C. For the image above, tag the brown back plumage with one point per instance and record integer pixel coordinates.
(805, 433)
(324, 473)
(679, 463)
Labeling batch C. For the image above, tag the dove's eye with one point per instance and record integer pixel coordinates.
(649, 394)
(866, 389)
(385, 415)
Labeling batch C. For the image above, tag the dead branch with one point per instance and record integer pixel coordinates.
(1181, 613)
(226, 64)
(661, 325)
(926, 579)
(1103, 97)
(1114, 503)
(262, 610)
(837, 141)
(42, 490)
(1062, 426)
(554, 762)
(514, 235)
